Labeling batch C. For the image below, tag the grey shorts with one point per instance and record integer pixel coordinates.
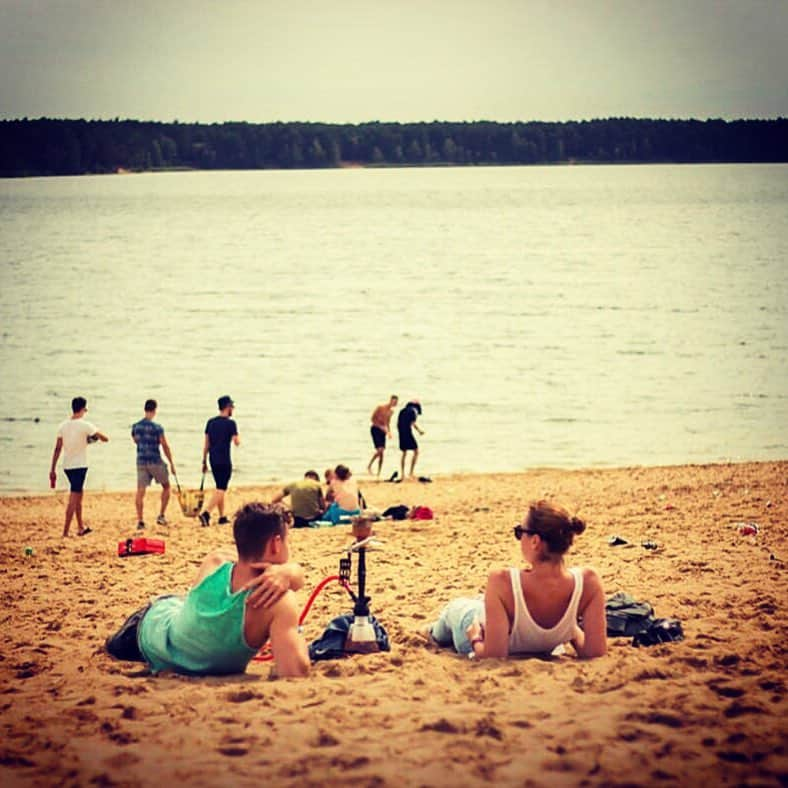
(147, 473)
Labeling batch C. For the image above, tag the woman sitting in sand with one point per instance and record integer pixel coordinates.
(345, 497)
(534, 610)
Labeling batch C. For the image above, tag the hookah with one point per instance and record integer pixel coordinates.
(361, 636)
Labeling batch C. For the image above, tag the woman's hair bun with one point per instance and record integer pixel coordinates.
(576, 525)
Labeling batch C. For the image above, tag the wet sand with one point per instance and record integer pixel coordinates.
(711, 709)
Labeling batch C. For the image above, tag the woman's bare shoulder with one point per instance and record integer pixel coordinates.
(498, 578)
(592, 582)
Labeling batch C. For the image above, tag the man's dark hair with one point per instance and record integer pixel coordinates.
(150, 405)
(78, 404)
(255, 525)
(342, 472)
(312, 475)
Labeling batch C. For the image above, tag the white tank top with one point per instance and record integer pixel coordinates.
(527, 637)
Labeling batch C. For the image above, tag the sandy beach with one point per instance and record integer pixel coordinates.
(711, 709)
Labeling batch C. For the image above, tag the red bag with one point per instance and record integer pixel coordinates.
(421, 513)
(140, 546)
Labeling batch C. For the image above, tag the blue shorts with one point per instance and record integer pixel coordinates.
(455, 618)
(76, 478)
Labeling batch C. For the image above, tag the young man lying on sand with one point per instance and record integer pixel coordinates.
(232, 609)
(535, 610)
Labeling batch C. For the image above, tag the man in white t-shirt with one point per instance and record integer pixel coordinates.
(73, 436)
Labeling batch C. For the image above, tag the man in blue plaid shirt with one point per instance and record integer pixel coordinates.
(149, 437)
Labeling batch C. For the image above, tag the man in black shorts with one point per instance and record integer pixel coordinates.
(73, 437)
(220, 432)
(406, 423)
(380, 430)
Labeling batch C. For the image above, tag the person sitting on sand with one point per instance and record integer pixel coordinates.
(306, 499)
(534, 610)
(329, 496)
(232, 609)
(347, 499)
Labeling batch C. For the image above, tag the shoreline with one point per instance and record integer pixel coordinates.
(351, 166)
(365, 479)
(708, 709)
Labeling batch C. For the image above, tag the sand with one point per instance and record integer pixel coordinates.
(711, 709)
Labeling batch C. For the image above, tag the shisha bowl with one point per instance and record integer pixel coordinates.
(361, 527)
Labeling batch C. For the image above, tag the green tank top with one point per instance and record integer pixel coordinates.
(201, 633)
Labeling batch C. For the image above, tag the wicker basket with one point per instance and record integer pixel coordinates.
(191, 501)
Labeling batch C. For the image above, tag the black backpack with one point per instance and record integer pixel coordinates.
(397, 512)
(626, 617)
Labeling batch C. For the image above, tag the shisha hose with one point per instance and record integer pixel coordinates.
(265, 655)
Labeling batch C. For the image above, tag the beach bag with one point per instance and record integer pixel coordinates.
(421, 513)
(140, 546)
(331, 644)
(191, 501)
(626, 617)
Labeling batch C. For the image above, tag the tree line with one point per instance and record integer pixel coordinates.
(70, 147)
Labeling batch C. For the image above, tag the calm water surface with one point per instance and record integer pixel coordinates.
(566, 316)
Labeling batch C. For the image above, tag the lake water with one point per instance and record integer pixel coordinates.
(562, 316)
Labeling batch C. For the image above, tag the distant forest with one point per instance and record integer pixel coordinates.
(71, 147)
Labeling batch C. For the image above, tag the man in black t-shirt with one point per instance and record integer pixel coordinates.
(220, 432)
(406, 423)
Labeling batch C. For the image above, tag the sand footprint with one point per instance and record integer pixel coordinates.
(242, 696)
(234, 746)
(725, 690)
(443, 725)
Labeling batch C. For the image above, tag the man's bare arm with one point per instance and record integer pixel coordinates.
(291, 657)
(205, 446)
(55, 455)
(167, 452)
(273, 583)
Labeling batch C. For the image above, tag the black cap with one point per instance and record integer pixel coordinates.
(225, 402)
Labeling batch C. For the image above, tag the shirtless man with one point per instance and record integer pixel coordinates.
(233, 608)
(380, 430)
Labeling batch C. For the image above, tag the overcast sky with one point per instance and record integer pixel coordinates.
(393, 60)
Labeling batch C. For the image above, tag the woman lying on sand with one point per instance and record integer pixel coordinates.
(534, 610)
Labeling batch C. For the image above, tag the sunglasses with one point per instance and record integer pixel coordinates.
(519, 530)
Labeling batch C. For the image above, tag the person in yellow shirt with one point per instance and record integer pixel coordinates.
(306, 499)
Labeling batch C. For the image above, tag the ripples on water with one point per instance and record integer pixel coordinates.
(567, 316)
